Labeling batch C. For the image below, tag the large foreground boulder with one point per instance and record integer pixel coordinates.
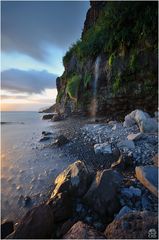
(103, 193)
(81, 230)
(7, 227)
(134, 225)
(74, 180)
(38, 223)
(143, 120)
(148, 176)
(62, 206)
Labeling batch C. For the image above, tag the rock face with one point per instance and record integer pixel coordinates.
(122, 67)
(37, 223)
(103, 193)
(81, 230)
(134, 225)
(143, 120)
(148, 176)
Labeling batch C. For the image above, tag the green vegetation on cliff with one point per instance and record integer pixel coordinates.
(122, 25)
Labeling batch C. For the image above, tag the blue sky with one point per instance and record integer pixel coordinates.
(35, 36)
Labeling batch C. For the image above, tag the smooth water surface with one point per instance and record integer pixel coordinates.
(28, 167)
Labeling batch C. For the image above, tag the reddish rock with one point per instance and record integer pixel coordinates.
(81, 230)
(134, 225)
(37, 223)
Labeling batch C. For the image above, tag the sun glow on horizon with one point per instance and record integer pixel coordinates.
(27, 102)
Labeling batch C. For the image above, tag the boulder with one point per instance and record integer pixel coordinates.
(143, 120)
(123, 163)
(45, 138)
(56, 118)
(81, 230)
(103, 193)
(37, 223)
(74, 180)
(7, 227)
(103, 148)
(134, 137)
(131, 192)
(61, 206)
(46, 133)
(47, 116)
(123, 211)
(126, 144)
(155, 160)
(133, 225)
(61, 140)
(148, 176)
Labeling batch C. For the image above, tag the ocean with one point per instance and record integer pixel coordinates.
(28, 167)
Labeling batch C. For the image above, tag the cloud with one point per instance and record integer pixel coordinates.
(30, 81)
(27, 27)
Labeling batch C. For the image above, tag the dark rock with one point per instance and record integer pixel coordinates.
(124, 162)
(81, 230)
(134, 225)
(65, 227)
(37, 223)
(56, 118)
(7, 227)
(102, 196)
(45, 138)
(47, 116)
(61, 205)
(61, 140)
(46, 133)
(27, 201)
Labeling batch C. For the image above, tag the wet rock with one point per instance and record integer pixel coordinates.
(27, 201)
(103, 148)
(124, 210)
(37, 223)
(102, 196)
(45, 138)
(134, 137)
(46, 133)
(61, 140)
(126, 144)
(148, 176)
(47, 116)
(7, 227)
(81, 230)
(75, 179)
(134, 225)
(155, 160)
(131, 192)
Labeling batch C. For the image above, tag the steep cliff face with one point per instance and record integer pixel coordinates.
(113, 68)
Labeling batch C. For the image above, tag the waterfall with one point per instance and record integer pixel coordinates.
(94, 103)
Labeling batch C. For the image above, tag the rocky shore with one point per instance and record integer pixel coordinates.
(109, 192)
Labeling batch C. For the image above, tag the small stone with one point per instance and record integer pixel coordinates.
(124, 210)
(103, 148)
(134, 137)
(126, 144)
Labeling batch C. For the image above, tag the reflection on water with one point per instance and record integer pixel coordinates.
(27, 168)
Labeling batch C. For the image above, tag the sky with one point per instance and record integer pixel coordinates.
(35, 35)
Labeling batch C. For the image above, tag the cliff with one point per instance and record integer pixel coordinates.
(112, 69)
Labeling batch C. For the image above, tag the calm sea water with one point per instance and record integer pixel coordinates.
(28, 167)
